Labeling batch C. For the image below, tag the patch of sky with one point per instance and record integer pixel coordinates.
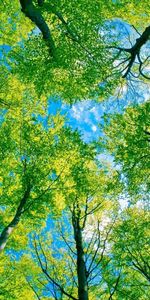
(35, 31)
(61, 229)
(40, 119)
(106, 159)
(23, 157)
(55, 106)
(4, 49)
(124, 201)
(118, 31)
(81, 116)
(15, 255)
(11, 174)
(85, 116)
(52, 176)
(2, 115)
(2, 207)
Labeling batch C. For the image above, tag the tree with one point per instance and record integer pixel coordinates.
(34, 174)
(80, 256)
(86, 198)
(131, 250)
(115, 256)
(135, 231)
(134, 57)
(73, 51)
(127, 137)
(81, 61)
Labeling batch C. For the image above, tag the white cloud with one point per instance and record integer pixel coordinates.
(94, 128)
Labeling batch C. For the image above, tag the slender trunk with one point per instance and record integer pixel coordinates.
(7, 231)
(81, 267)
(34, 14)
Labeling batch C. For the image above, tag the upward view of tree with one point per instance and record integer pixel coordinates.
(33, 167)
(77, 53)
(74, 150)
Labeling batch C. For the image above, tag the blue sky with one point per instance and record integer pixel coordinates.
(88, 114)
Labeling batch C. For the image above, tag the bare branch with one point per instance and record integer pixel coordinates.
(66, 242)
(115, 287)
(104, 248)
(136, 30)
(44, 270)
(134, 52)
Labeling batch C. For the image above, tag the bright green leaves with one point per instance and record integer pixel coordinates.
(14, 26)
(13, 283)
(39, 154)
(82, 61)
(50, 160)
(127, 138)
(131, 252)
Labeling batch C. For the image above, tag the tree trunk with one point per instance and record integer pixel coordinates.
(81, 267)
(10, 227)
(34, 14)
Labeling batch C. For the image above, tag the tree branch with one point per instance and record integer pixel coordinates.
(34, 14)
(44, 270)
(134, 52)
(10, 227)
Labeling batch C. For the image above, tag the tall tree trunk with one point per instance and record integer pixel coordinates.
(81, 267)
(7, 231)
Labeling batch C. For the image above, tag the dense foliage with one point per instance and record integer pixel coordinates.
(74, 213)
(128, 138)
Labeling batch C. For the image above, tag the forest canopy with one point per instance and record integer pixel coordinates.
(74, 150)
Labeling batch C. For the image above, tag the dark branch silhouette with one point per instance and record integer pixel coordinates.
(44, 269)
(135, 56)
